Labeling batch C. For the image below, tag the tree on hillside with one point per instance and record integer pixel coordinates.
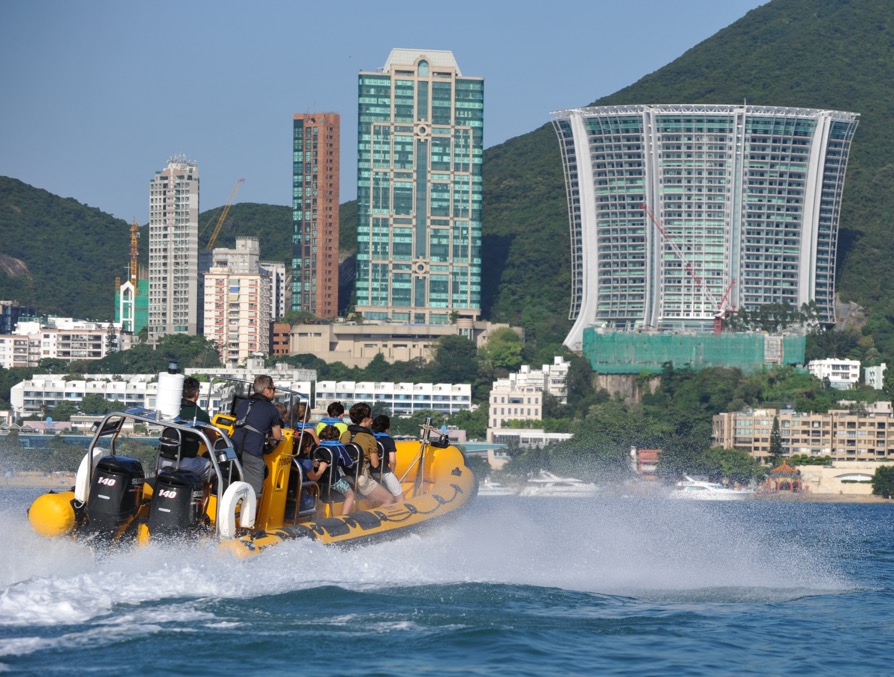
(503, 351)
(64, 410)
(883, 481)
(94, 404)
(734, 466)
(455, 359)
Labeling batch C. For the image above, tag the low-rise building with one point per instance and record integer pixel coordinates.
(41, 393)
(356, 344)
(61, 338)
(525, 438)
(842, 435)
(511, 402)
(402, 399)
(841, 374)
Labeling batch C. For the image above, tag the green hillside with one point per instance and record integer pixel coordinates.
(58, 255)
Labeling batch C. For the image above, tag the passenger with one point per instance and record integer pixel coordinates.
(332, 453)
(381, 430)
(304, 447)
(359, 433)
(191, 412)
(335, 411)
(300, 423)
(256, 420)
(283, 413)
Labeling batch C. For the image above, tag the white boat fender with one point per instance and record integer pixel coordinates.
(237, 492)
(82, 479)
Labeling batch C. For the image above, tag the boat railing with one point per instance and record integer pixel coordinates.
(302, 486)
(219, 447)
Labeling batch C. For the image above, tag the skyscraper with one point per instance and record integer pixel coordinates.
(315, 180)
(419, 154)
(679, 213)
(174, 249)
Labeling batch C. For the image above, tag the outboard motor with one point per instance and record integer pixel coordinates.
(177, 504)
(116, 492)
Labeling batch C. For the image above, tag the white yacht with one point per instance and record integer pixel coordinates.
(489, 487)
(548, 484)
(700, 490)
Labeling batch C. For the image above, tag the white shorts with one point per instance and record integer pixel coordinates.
(392, 484)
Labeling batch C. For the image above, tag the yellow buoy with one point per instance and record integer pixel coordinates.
(51, 514)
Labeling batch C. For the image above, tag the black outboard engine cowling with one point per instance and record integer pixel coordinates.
(116, 492)
(178, 503)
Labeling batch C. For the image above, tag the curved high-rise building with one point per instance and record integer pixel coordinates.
(679, 213)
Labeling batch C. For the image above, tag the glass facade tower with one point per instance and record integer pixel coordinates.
(419, 154)
(679, 213)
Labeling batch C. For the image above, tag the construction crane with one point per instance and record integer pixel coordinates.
(720, 306)
(223, 215)
(134, 252)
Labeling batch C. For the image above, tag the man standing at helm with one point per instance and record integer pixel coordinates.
(256, 420)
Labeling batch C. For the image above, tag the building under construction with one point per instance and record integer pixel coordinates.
(132, 297)
(634, 353)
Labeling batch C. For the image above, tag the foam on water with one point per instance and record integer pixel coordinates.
(657, 549)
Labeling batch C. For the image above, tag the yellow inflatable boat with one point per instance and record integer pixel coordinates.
(115, 500)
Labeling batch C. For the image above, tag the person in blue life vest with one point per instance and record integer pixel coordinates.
(381, 430)
(257, 419)
(331, 453)
(191, 412)
(334, 414)
(359, 433)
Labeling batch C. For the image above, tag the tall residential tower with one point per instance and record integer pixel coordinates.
(174, 249)
(419, 154)
(315, 167)
(679, 213)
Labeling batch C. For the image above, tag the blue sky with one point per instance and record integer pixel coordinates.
(96, 95)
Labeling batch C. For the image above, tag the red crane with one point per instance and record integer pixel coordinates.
(720, 306)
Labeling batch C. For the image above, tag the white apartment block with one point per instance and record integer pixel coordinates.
(525, 438)
(402, 399)
(13, 351)
(520, 396)
(842, 374)
(280, 288)
(174, 249)
(874, 377)
(41, 393)
(237, 302)
(550, 378)
(61, 338)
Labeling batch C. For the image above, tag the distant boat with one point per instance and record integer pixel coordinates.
(549, 485)
(490, 488)
(700, 490)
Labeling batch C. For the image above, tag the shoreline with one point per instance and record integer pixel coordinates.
(38, 480)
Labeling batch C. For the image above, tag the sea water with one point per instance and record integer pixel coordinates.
(515, 586)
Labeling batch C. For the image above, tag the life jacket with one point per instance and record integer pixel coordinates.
(336, 455)
(384, 460)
